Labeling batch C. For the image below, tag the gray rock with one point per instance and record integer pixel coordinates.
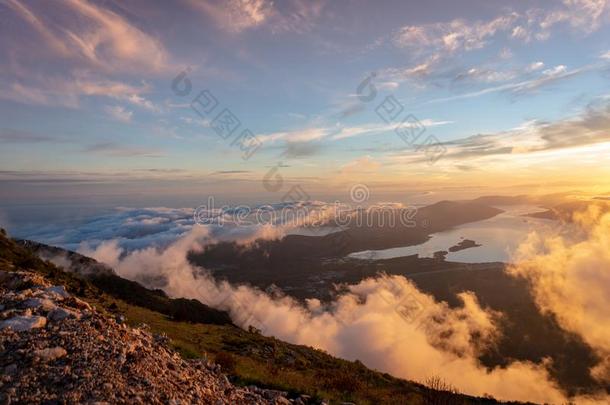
(59, 314)
(58, 290)
(93, 357)
(44, 303)
(50, 354)
(24, 323)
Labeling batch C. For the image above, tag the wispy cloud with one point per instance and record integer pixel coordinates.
(431, 44)
(547, 77)
(301, 149)
(224, 172)
(18, 136)
(337, 133)
(119, 113)
(236, 16)
(93, 35)
(118, 150)
(301, 135)
(67, 91)
(589, 128)
(452, 36)
(364, 164)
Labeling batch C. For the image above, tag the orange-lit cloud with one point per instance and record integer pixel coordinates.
(569, 274)
(95, 36)
(370, 322)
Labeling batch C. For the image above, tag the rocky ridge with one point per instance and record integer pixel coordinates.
(56, 348)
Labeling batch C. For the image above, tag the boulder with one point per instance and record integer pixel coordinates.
(43, 303)
(58, 290)
(59, 314)
(50, 354)
(24, 323)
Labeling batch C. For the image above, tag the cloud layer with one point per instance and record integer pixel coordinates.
(385, 322)
(570, 278)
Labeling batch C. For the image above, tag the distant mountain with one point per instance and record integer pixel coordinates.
(546, 200)
(503, 200)
(365, 231)
(566, 211)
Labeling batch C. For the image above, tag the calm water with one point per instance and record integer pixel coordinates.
(499, 237)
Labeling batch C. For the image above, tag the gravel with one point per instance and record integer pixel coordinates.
(55, 348)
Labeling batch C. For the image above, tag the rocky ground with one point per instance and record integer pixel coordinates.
(56, 348)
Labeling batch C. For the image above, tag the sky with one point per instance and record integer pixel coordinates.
(139, 102)
(135, 112)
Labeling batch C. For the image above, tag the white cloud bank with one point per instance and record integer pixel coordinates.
(570, 278)
(385, 322)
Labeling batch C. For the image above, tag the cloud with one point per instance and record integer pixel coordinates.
(452, 36)
(297, 15)
(350, 132)
(232, 172)
(117, 150)
(338, 132)
(590, 128)
(586, 129)
(547, 78)
(301, 135)
(17, 136)
(59, 53)
(583, 15)
(68, 91)
(93, 35)
(432, 44)
(119, 113)
(483, 75)
(420, 70)
(385, 322)
(492, 74)
(138, 228)
(569, 274)
(364, 164)
(535, 66)
(236, 16)
(300, 149)
(352, 108)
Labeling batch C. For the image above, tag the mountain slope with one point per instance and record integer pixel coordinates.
(247, 357)
(56, 348)
(103, 277)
